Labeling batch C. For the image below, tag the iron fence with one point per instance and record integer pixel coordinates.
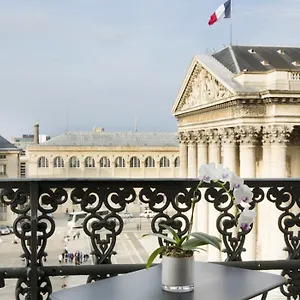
(34, 200)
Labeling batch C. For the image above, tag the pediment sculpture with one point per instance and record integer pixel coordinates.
(202, 89)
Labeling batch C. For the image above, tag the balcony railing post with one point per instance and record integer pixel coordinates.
(34, 198)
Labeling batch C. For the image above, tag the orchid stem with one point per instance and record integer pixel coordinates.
(231, 196)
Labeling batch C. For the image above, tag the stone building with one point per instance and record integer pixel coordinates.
(9, 168)
(100, 154)
(241, 106)
(23, 142)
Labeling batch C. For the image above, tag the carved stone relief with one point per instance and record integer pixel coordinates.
(249, 134)
(203, 88)
(277, 134)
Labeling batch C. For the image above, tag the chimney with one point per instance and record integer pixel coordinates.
(36, 134)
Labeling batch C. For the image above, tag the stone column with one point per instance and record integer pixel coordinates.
(229, 147)
(248, 136)
(183, 154)
(202, 148)
(214, 155)
(248, 143)
(214, 148)
(266, 153)
(279, 137)
(192, 155)
(271, 242)
(201, 222)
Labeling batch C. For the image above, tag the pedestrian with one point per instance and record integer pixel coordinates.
(60, 258)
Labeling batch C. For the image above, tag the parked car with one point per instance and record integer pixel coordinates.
(148, 214)
(4, 230)
(125, 215)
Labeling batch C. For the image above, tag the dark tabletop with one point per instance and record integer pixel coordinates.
(212, 282)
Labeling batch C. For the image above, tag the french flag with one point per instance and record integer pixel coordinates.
(223, 11)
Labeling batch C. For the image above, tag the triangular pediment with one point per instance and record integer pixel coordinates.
(200, 87)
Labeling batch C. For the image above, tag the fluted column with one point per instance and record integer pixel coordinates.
(192, 155)
(248, 144)
(214, 155)
(214, 147)
(279, 137)
(248, 136)
(202, 148)
(183, 154)
(266, 153)
(202, 158)
(229, 147)
(271, 242)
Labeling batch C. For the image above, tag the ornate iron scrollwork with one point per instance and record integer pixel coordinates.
(160, 196)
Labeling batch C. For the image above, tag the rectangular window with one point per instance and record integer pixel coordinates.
(2, 156)
(2, 169)
(23, 170)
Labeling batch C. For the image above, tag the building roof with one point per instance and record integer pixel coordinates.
(114, 139)
(223, 74)
(5, 145)
(250, 58)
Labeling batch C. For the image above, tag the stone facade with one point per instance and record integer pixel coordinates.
(9, 168)
(246, 119)
(102, 162)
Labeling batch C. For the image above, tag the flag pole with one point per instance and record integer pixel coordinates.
(231, 22)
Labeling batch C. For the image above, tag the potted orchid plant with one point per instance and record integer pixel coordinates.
(177, 254)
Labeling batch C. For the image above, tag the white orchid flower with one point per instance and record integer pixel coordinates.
(235, 181)
(224, 174)
(208, 172)
(243, 194)
(246, 219)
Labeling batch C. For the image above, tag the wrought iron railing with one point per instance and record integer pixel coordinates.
(33, 200)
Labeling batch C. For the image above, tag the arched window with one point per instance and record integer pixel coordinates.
(120, 162)
(43, 162)
(149, 162)
(177, 162)
(74, 162)
(164, 162)
(104, 162)
(58, 162)
(135, 162)
(89, 162)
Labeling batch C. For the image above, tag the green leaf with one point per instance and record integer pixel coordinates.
(153, 256)
(182, 240)
(207, 239)
(191, 244)
(174, 233)
(162, 236)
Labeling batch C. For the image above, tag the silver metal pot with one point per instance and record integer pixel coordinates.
(177, 274)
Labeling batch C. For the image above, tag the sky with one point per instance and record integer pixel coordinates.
(71, 65)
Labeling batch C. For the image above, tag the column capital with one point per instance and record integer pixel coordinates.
(213, 136)
(277, 134)
(201, 136)
(182, 137)
(191, 137)
(249, 135)
(228, 135)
